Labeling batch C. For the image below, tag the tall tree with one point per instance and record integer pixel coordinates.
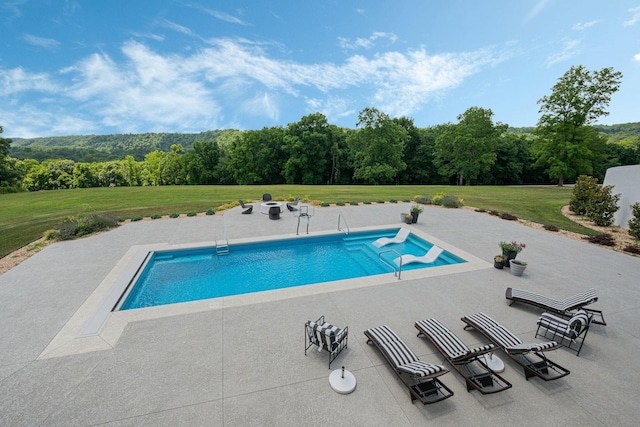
(467, 149)
(377, 147)
(564, 146)
(308, 144)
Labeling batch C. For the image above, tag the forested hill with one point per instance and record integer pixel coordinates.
(614, 133)
(93, 148)
(96, 148)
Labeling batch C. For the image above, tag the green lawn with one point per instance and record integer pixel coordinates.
(24, 217)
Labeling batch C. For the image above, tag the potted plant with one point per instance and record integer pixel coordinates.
(517, 267)
(415, 211)
(407, 217)
(511, 249)
(498, 261)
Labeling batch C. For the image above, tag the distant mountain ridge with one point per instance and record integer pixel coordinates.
(92, 148)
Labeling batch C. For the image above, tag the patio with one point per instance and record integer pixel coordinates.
(220, 365)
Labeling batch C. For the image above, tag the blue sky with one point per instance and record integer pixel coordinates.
(100, 67)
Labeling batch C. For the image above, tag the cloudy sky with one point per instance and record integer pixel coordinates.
(98, 67)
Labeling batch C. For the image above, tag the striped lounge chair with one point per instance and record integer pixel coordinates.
(563, 307)
(531, 356)
(326, 336)
(420, 377)
(569, 333)
(466, 361)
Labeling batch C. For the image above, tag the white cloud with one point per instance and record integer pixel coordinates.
(569, 50)
(636, 57)
(41, 41)
(584, 25)
(635, 16)
(176, 27)
(224, 16)
(367, 43)
(151, 91)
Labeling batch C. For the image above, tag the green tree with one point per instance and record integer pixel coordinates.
(308, 144)
(566, 145)
(257, 156)
(10, 173)
(201, 161)
(467, 149)
(377, 147)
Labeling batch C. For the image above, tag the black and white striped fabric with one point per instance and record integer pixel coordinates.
(569, 329)
(503, 337)
(453, 348)
(401, 357)
(570, 303)
(327, 336)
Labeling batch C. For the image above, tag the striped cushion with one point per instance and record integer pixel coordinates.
(503, 337)
(420, 368)
(569, 303)
(399, 355)
(570, 329)
(326, 334)
(446, 340)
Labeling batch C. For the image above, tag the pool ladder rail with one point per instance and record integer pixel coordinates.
(343, 219)
(397, 270)
(223, 248)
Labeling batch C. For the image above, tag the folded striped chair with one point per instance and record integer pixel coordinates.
(531, 356)
(326, 336)
(569, 333)
(563, 307)
(466, 361)
(420, 377)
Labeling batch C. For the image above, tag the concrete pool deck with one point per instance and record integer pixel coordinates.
(233, 364)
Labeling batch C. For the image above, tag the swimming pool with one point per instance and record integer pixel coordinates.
(194, 274)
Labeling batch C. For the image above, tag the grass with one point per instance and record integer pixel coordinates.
(24, 217)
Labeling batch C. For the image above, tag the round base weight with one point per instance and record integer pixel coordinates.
(342, 385)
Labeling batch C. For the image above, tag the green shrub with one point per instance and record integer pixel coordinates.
(437, 199)
(583, 192)
(68, 230)
(51, 235)
(380, 201)
(325, 204)
(192, 213)
(210, 212)
(137, 218)
(155, 216)
(174, 215)
(354, 203)
(393, 201)
(423, 200)
(603, 206)
(634, 223)
(450, 201)
(366, 202)
(406, 200)
(339, 203)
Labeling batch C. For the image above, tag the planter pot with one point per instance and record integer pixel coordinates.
(510, 255)
(517, 268)
(498, 264)
(414, 217)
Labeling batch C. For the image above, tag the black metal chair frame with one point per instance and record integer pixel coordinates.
(557, 331)
(247, 208)
(334, 347)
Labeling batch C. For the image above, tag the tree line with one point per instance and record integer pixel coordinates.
(380, 150)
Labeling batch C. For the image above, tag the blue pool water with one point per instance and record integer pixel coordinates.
(195, 274)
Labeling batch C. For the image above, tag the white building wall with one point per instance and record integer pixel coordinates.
(626, 182)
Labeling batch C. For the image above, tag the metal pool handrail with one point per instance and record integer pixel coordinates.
(340, 217)
(396, 270)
